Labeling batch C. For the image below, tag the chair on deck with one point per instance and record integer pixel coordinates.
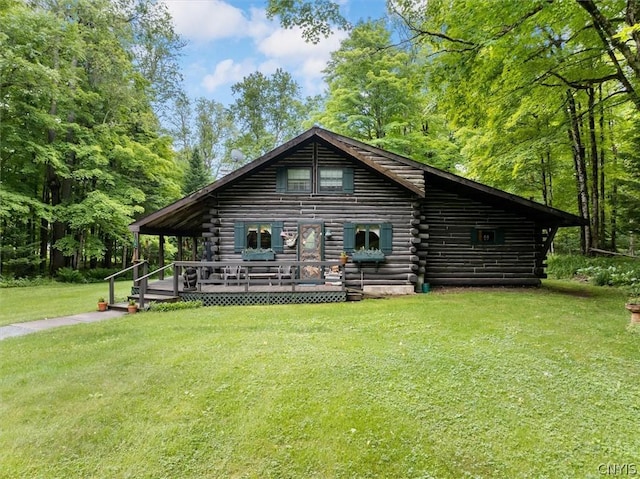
(285, 272)
(230, 272)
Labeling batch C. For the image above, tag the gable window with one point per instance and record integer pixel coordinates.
(326, 180)
(368, 236)
(299, 179)
(257, 235)
(487, 236)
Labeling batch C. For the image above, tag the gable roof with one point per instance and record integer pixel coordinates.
(184, 217)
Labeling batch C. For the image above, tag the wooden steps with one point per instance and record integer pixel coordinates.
(148, 299)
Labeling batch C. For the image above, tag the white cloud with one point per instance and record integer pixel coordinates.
(227, 72)
(305, 60)
(207, 20)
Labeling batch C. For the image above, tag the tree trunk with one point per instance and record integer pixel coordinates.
(614, 190)
(580, 171)
(601, 167)
(595, 173)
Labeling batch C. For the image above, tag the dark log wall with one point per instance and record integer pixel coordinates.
(447, 255)
(375, 200)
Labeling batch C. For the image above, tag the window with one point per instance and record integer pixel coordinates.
(301, 180)
(257, 235)
(330, 179)
(487, 236)
(368, 236)
(298, 179)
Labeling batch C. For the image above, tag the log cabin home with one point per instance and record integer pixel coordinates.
(289, 215)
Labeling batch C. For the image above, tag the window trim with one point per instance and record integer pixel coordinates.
(386, 235)
(282, 184)
(240, 234)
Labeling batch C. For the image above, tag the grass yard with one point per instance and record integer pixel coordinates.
(528, 383)
(53, 300)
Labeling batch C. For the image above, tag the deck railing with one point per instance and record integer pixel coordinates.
(140, 264)
(248, 274)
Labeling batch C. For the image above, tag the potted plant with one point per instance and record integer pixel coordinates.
(344, 257)
(102, 304)
(633, 303)
(132, 307)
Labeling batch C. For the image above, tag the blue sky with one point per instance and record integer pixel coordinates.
(230, 39)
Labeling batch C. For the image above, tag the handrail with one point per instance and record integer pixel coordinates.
(153, 272)
(126, 269)
(112, 297)
(142, 289)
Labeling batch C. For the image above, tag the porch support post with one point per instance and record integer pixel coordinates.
(136, 253)
(180, 249)
(194, 248)
(161, 255)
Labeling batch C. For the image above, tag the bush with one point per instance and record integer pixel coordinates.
(70, 275)
(599, 270)
(175, 306)
(22, 282)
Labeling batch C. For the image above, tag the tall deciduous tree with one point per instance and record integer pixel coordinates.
(267, 111)
(79, 135)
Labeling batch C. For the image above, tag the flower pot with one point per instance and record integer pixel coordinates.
(132, 308)
(635, 312)
(343, 259)
(102, 305)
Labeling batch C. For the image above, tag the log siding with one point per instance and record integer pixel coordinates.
(374, 200)
(449, 256)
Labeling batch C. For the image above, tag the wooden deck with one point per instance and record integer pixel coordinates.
(254, 283)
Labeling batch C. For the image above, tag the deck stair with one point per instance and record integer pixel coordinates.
(148, 299)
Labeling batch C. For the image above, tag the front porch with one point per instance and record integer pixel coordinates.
(226, 283)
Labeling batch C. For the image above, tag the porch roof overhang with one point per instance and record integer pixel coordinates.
(184, 217)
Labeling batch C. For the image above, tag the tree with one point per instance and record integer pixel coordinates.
(376, 94)
(80, 145)
(197, 175)
(316, 18)
(266, 112)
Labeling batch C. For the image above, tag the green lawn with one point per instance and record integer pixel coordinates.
(465, 383)
(53, 300)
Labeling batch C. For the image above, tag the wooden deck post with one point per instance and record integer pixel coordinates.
(161, 255)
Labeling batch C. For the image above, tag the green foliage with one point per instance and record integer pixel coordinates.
(81, 153)
(267, 111)
(178, 306)
(600, 270)
(316, 18)
(197, 175)
(69, 275)
(23, 282)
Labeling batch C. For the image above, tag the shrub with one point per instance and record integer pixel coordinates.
(70, 275)
(175, 306)
(22, 282)
(599, 270)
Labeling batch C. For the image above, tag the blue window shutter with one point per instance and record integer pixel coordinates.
(499, 236)
(347, 180)
(281, 180)
(276, 238)
(386, 238)
(239, 238)
(349, 237)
